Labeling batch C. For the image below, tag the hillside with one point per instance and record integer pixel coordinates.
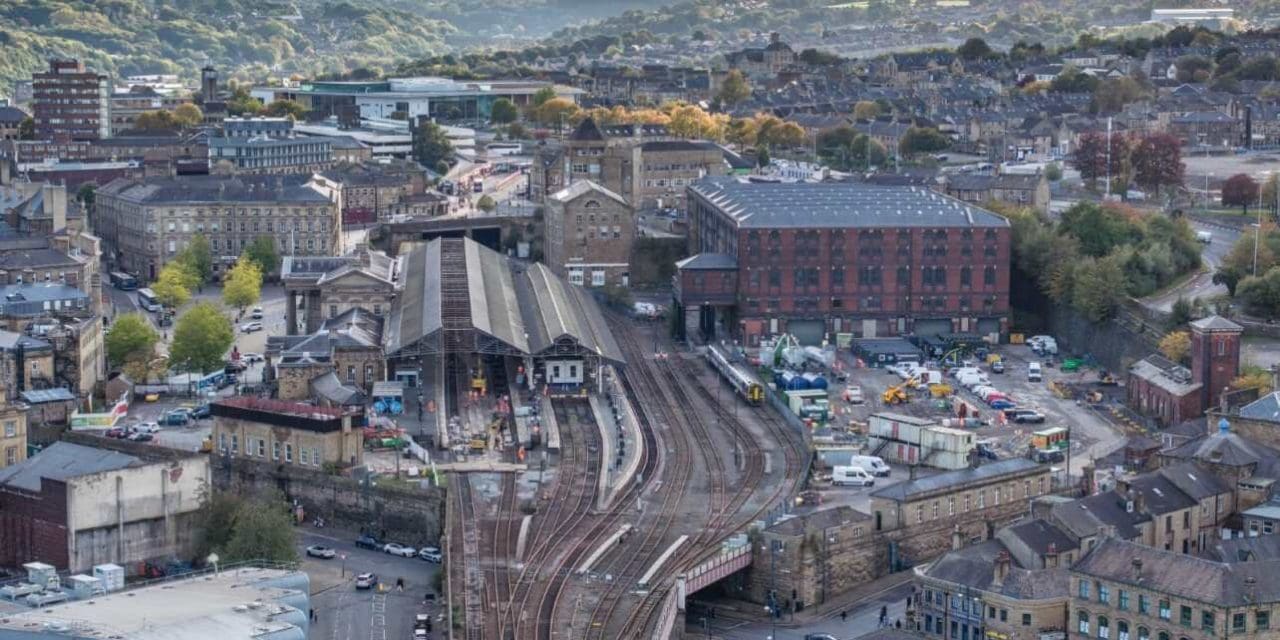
(257, 38)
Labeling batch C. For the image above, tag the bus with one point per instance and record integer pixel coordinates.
(123, 281)
(147, 300)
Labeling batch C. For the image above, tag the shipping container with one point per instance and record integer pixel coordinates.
(895, 426)
(950, 460)
(936, 439)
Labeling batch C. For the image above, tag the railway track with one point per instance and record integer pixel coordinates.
(474, 590)
(506, 532)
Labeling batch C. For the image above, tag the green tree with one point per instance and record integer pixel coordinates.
(1261, 295)
(486, 204)
(762, 157)
(243, 104)
(503, 111)
(734, 89)
(542, 95)
(1053, 172)
(430, 144)
(263, 529)
(155, 122)
(131, 338)
(198, 258)
(188, 116)
(286, 109)
(1179, 313)
(922, 140)
(172, 286)
(27, 129)
(201, 339)
(974, 49)
(262, 251)
(865, 110)
(87, 194)
(1098, 288)
(243, 285)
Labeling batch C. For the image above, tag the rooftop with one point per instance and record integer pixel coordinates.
(281, 413)
(1186, 576)
(63, 461)
(905, 491)
(211, 188)
(1167, 375)
(767, 205)
(819, 521)
(708, 261)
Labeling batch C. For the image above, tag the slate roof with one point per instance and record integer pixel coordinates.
(656, 146)
(903, 491)
(819, 521)
(1083, 517)
(1216, 323)
(1183, 575)
(767, 205)
(212, 188)
(1230, 449)
(329, 387)
(1160, 495)
(1195, 481)
(63, 461)
(708, 261)
(1265, 408)
(12, 116)
(977, 182)
(1244, 549)
(1164, 374)
(1039, 535)
(584, 187)
(10, 341)
(974, 567)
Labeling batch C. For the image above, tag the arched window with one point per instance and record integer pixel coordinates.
(1144, 633)
(1164, 635)
(1104, 628)
(1122, 630)
(591, 204)
(1082, 624)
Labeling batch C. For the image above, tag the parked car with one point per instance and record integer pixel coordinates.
(985, 450)
(142, 437)
(431, 554)
(201, 412)
(250, 327)
(176, 418)
(250, 358)
(117, 432)
(1002, 403)
(997, 366)
(256, 314)
(321, 551)
(397, 549)
(366, 580)
(368, 542)
(147, 427)
(1027, 416)
(235, 366)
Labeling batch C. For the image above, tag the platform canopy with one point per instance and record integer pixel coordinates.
(462, 297)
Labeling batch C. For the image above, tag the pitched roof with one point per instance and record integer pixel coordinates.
(1186, 576)
(1040, 536)
(1244, 549)
(1009, 467)
(708, 261)
(1160, 495)
(587, 131)
(584, 187)
(1216, 323)
(1083, 517)
(12, 115)
(819, 520)
(63, 461)
(838, 204)
(1195, 481)
(1265, 408)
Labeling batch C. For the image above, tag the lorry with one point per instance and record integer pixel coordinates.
(841, 476)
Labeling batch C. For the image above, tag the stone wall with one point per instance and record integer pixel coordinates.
(1115, 345)
(410, 516)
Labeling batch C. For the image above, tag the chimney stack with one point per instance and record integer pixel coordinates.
(1001, 568)
(1137, 570)
(1051, 556)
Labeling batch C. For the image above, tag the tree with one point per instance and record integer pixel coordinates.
(1229, 278)
(974, 49)
(1175, 345)
(734, 89)
(243, 104)
(262, 251)
(865, 110)
(691, 121)
(1111, 95)
(131, 338)
(1179, 313)
(27, 129)
(1090, 156)
(201, 339)
(555, 112)
(286, 109)
(503, 111)
(922, 140)
(1053, 172)
(1270, 189)
(486, 204)
(1261, 295)
(1157, 162)
(171, 287)
(198, 258)
(848, 150)
(1240, 190)
(1094, 287)
(1253, 377)
(264, 530)
(542, 95)
(87, 195)
(188, 115)
(431, 145)
(155, 121)
(762, 157)
(243, 285)
(1193, 68)
(1072, 80)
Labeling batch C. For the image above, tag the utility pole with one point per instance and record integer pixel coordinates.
(1107, 187)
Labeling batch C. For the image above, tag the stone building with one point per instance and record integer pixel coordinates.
(1171, 393)
(13, 432)
(1176, 517)
(348, 347)
(74, 506)
(763, 63)
(1247, 465)
(995, 493)
(325, 288)
(1030, 191)
(374, 192)
(1139, 593)
(11, 122)
(288, 433)
(26, 363)
(815, 556)
(812, 259)
(145, 223)
(589, 234)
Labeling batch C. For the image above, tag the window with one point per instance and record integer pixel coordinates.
(982, 499)
(315, 456)
(1104, 627)
(919, 513)
(351, 374)
(935, 509)
(222, 442)
(10, 428)
(11, 455)
(235, 444)
(1262, 620)
(1122, 630)
(1144, 604)
(951, 506)
(1026, 619)
(333, 311)
(989, 276)
(288, 452)
(262, 447)
(1164, 635)
(1144, 633)
(1004, 615)
(1237, 623)
(302, 455)
(275, 450)
(1184, 615)
(1082, 623)
(1165, 612)
(1206, 620)
(1084, 589)
(966, 503)
(597, 278)
(1124, 600)
(1104, 593)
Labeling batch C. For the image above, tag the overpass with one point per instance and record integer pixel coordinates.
(494, 231)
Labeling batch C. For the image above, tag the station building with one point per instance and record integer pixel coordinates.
(817, 259)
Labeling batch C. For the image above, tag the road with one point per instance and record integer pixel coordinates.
(1200, 285)
(862, 619)
(343, 612)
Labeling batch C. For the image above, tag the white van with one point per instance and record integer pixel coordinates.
(1033, 372)
(1204, 237)
(841, 476)
(874, 464)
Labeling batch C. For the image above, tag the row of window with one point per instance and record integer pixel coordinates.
(874, 303)
(868, 275)
(258, 447)
(597, 277)
(268, 212)
(1164, 610)
(979, 499)
(285, 225)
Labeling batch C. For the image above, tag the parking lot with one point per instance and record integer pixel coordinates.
(1091, 434)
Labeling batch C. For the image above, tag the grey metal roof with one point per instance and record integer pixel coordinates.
(494, 308)
(1010, 467)
(215, 189)
(62, 461)
(583, 187)
(557, 309)
(9, 341)
(38, 396)
(1265, 408)
(708, 261)
(418, 313)
(329, 387)
(838, 204)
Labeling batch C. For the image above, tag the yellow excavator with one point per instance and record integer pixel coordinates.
(895, 395)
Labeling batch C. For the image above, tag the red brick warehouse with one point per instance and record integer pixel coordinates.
(816, 259)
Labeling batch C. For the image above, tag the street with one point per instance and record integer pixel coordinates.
(342, 611)
(1201, 284)
(862, 619)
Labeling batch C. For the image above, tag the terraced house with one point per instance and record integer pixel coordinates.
(1127, 591)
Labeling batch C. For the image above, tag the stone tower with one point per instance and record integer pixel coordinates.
(1215, 357)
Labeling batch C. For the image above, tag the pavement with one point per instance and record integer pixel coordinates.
(1201, 284)
(343, 612)
(861, 606)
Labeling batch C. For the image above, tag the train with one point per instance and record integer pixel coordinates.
(743, 382)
